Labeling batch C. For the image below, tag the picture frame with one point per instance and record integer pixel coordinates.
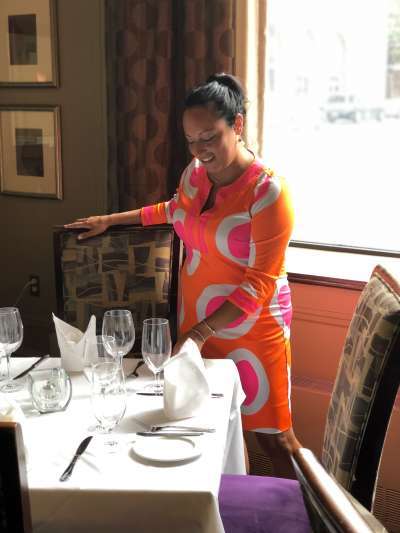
(30, 151)
(28, 43)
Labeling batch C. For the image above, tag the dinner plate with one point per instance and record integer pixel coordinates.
(166, 449)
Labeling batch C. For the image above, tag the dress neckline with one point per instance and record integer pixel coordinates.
(253, 168)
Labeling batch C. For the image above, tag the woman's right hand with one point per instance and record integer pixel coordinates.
(95, 225)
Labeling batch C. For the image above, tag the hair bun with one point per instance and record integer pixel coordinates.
(228, 81)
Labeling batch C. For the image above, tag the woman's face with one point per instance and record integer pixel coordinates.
(211, 139)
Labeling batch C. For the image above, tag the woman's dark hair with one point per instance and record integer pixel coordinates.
(223, 93)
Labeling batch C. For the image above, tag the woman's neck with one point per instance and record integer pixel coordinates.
(244, 159)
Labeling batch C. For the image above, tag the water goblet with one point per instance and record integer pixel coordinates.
(156, 347)
(118, 332)
(11, 335)
(96, 352)
(108, 397)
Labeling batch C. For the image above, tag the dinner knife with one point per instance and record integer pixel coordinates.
(81, 448)
(35, 364)
(169, 433)
(148, 393)
(171, 427)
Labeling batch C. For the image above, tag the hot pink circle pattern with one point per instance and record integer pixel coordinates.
(253, 378)
(232, 237)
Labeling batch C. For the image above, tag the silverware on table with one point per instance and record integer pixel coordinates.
(148, 393)
(179, 429)
(169, 433)
(35, 364)
(81, 448)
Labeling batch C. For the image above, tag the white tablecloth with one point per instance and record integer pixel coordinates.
(119, 492)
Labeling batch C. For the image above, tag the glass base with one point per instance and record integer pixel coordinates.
(155, 388)
(13, 386)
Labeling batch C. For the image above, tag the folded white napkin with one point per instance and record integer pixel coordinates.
(73, 343)
(185, 384)
(10, 411)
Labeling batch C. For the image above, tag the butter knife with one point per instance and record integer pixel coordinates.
(81, 448)
(35, 364)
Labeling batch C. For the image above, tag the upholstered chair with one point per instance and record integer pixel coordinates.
(365, 389)
(129, 267)
(358, 417)
(330, 507)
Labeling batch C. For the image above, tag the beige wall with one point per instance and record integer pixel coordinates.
(26, 223)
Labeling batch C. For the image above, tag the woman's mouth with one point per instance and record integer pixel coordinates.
(206, 159)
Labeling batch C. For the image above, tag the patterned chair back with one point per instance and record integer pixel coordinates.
(15, 514)
(127, 267)
(365, 389)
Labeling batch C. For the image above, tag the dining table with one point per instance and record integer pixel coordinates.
(135, 485)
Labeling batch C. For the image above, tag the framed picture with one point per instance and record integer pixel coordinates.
(28, 43)
(30, 151)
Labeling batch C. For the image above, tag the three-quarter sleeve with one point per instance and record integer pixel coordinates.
(161, 213)
(271, 226)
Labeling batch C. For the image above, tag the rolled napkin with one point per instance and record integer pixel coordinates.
(73, 343)
(186, 388)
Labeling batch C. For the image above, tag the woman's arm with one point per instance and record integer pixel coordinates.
(98, 224)
(224, 315)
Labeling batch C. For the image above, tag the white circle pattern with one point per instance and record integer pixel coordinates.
(222, 235)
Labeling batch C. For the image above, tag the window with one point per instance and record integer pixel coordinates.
(333, 117)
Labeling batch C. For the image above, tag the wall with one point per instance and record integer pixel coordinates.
(26, 223)
(320, 321)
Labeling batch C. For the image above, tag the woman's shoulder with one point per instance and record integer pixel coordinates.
(266, 185)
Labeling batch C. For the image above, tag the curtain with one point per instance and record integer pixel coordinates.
(250, 66)
(156, 51)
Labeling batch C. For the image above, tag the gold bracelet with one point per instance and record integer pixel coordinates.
(213, 332)
(200, 336)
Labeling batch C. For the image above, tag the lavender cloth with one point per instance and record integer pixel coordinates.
(261, 504)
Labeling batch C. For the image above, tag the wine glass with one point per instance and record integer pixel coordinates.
(108, 397)
(156, 347)
(96, 352)
(118, 332)
(11, 335)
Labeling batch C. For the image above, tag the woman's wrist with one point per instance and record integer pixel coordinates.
(203, 330)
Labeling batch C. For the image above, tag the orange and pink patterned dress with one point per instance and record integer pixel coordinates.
(235, 251)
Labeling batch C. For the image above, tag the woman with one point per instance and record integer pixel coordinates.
(235, 218)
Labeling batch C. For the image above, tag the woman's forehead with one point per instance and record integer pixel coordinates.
(199, 119)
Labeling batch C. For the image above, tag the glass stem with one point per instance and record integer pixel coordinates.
(158, 382)
(8, 377)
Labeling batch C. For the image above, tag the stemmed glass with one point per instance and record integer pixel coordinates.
(108, 397)
(118, 332)
(11, 335)
(156, 347)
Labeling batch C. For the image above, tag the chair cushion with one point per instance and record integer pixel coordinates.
(261, 504)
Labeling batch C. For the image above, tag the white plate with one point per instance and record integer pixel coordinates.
(166, 449)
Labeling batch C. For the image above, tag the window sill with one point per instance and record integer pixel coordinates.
(335, 269)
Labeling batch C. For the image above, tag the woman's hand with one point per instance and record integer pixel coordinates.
(95, 225)
(199, 334)
(191, 334)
